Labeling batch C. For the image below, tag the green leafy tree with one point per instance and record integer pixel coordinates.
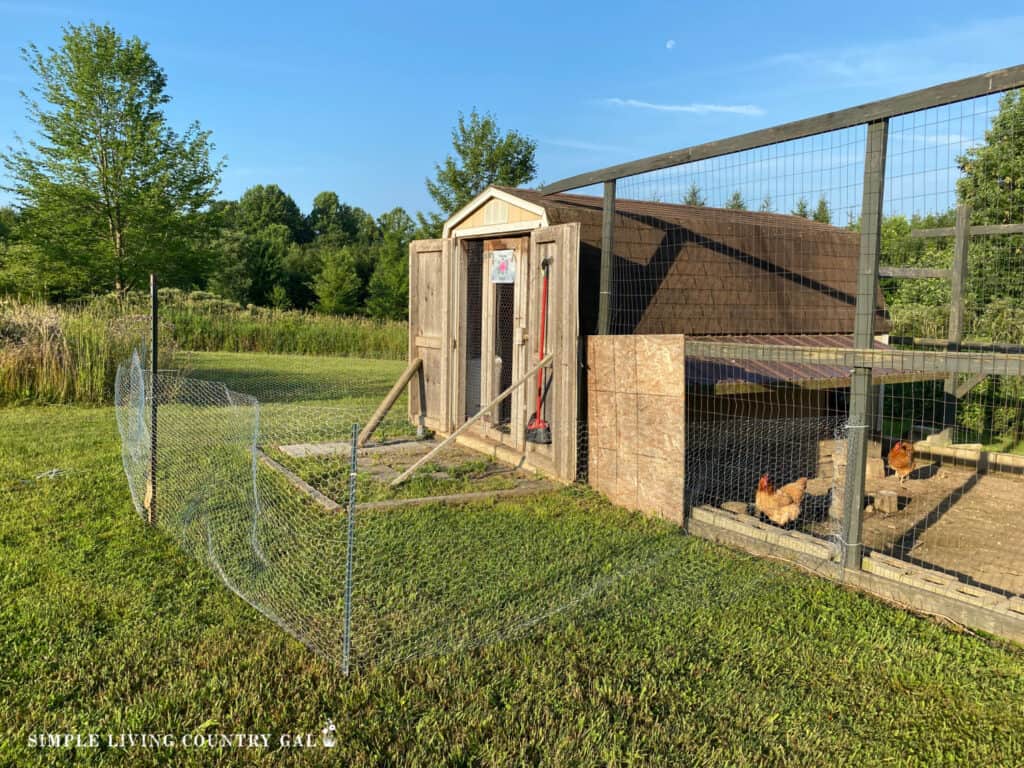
(264, 205)
(338, 286)
(388, 290)
(251, 264)
(993, 180)
(8, 223)
(108, 189)
(694, 196)
(299, 270)
(736, 202)
(822, 212)
(483, 156)
(802, 209)
(332, 222)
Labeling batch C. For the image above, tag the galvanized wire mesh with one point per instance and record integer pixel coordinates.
(259, 487)
(755, 255)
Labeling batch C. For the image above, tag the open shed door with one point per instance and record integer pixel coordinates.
(430, 337)
(560, 245)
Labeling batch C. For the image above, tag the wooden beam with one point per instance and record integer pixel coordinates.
(923, 361)
(328, 504)
(515, 385)
(528, 488)
(864, 338)
(975, 231)
(963, 346)
(965, 387)
(915, 272)
(604, 303)
(392, 396)
(936, 96)
(956, 301)
(959, 276)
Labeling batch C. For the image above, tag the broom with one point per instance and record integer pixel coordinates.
(539, 431)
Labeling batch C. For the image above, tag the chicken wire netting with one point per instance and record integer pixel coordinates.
(259, 487)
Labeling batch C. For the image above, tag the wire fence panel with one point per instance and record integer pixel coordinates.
(756, 255)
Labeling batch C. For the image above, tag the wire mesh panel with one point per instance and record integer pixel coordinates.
(953, 243)
(755, 256)
(259, 487)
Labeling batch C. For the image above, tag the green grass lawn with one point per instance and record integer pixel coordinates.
(691, 655)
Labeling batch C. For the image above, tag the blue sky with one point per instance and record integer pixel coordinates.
(360, 97)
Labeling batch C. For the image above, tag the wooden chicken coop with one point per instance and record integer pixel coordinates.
(616, 405)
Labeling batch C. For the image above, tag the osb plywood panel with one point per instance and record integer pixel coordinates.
(636, 402)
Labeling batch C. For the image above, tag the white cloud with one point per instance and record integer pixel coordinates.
(585, 146)
(696, 109)
(945, 53)
(670, 44)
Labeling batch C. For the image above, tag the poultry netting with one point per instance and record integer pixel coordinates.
(261, 488)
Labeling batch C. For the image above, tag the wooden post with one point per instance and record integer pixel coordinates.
(607, 255)
(512, 388)
(385, 406)
(958, 279)
(154, 380)
(863, 337)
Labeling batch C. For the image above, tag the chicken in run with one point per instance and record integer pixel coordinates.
(901, 460)
(781, 506)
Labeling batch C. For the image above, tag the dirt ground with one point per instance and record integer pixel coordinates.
(954, 519)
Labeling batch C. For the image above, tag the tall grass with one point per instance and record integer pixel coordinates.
(61, 355)
(70, 353)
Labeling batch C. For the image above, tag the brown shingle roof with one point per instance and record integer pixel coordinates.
(699, 270)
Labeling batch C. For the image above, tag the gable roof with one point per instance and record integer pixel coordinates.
(707, 271)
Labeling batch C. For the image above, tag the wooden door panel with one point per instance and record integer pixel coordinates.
(429, 335)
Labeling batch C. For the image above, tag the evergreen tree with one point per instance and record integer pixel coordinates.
(822, 212)
(693, 196)
(802, 208)
(736, 202)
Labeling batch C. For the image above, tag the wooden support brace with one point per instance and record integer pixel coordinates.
(385, 406)
(451, 438)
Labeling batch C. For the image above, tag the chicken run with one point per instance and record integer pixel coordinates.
(739, 372)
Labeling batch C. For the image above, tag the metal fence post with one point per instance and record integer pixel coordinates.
(347, 642)
(154, 315)
(863, 338)
(607, 254)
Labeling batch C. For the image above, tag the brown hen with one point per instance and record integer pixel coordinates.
(901, 459)
(781, 506)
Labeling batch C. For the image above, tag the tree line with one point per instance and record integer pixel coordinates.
(108, 192)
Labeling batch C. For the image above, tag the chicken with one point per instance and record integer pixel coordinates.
(781, 506)
(901, 459)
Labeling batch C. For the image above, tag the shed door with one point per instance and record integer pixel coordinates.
(560, 245)
(430, 337)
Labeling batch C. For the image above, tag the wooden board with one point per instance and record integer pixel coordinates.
(560, 244)
(429, 331)
(947, 93)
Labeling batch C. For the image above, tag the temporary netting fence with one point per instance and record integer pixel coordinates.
(263, 488)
